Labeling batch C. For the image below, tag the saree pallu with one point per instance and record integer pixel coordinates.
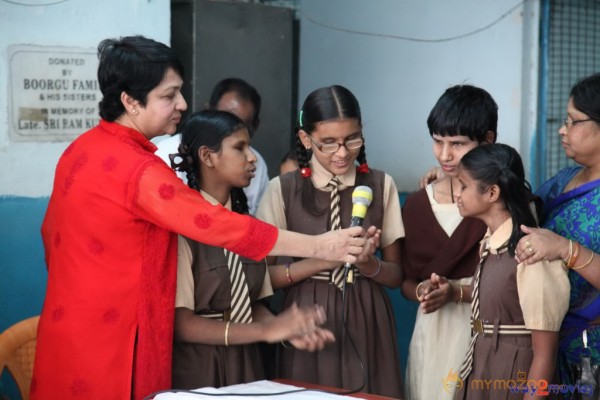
(575, 215)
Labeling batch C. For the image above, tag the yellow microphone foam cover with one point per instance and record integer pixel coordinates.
(362, 194)
(361, 200)
(359, 210)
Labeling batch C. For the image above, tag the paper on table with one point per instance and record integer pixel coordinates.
(251, 388)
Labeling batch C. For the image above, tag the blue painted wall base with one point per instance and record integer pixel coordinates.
(23, 273)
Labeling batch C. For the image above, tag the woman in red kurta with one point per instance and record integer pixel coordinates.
(107, 323)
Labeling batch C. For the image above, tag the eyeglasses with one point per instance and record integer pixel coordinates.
(569, 123)
(330, 148)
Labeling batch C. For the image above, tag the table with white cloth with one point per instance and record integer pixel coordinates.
(288, 389)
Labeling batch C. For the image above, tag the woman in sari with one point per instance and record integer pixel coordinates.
(570, 231)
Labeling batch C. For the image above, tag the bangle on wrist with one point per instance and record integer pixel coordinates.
(417, 290)
(573, 259)
(460, 300)
(377, 271)
(227, 333)
(287, 274)
(287, 346)
(586, 263)
(566, 260)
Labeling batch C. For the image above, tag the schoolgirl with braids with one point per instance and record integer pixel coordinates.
(516, 309)
(330, 148)
(212, 346)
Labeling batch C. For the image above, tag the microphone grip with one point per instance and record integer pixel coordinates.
(355, 221)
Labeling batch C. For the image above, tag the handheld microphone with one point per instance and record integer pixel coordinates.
(361, 200)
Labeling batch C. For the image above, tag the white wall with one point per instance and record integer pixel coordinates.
(28, 168)
(398, 81)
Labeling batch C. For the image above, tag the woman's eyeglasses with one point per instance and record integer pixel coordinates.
(330, 148)
(569, 123)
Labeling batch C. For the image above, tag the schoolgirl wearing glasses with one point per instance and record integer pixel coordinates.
(316, 198)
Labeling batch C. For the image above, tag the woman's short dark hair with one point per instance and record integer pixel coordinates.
(134, 65)
(464, 110)
(586, 96)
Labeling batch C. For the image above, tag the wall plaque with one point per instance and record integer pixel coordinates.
(53, 92)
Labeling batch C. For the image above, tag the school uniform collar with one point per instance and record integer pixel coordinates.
(498, 239)
(214, 201)
(320, 176)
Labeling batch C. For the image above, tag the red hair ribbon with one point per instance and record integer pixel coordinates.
(363, 168)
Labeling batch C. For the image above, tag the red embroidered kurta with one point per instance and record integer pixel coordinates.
(107, 323)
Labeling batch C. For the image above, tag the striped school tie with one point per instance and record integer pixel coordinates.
(467, 364)
(337, 275)
(241, 311)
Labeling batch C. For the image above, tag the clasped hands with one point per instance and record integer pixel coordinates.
(433, 293)
(301, 326)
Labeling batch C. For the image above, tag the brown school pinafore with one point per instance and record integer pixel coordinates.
(369, 313)
(498, 358)
(201, 365)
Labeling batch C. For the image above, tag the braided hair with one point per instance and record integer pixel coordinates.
(322, 105)
(500, 164)
(207, 128)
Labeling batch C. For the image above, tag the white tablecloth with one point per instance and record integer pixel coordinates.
(254, 388)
